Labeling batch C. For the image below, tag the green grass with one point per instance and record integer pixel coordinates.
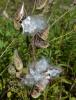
(61, 52)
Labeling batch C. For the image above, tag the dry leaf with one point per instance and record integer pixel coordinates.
(5, 14)
(39, 88)
(20, 14)
(74, 2)
(40, 75)
(17, 25)
(44, 35)
(40, 4)
(39, 42)
(17, 61)
(18, 74)
(11, 69)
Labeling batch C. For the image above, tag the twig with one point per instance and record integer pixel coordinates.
(4, 93)
(3, 54)
(33, 49)
(34, 7)
(6, 48)
(3, 71)
(59, 17)
(61, 36)
(6, 5)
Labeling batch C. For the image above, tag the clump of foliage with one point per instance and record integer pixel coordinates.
(62, 52)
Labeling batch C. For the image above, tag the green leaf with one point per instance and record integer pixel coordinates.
(2, 44)
(72, 98)
(9, 94)
(64, 80)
